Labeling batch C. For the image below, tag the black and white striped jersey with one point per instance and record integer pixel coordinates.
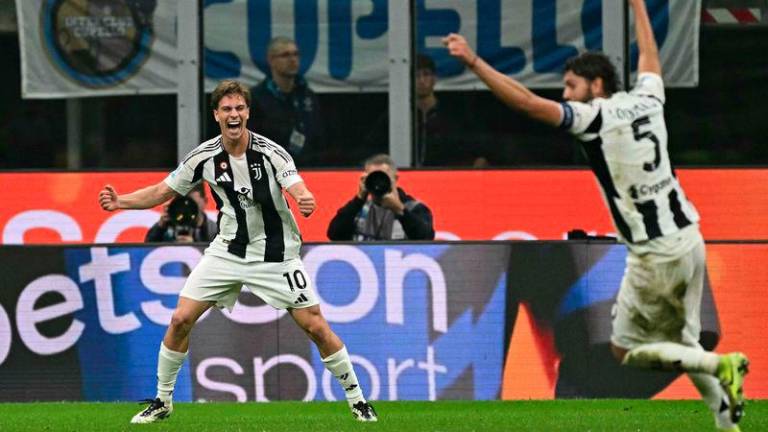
(255, 222)
(625, 139)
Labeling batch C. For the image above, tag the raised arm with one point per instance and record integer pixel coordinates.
(510, 91)
(303, 197)
(648, 60)
(147, 197)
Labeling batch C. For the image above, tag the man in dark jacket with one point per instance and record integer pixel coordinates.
(202, 229)
(388, 214)
(285, 109)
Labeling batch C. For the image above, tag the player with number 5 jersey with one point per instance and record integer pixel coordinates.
(257, 246)
(625, 140)
(656, 321)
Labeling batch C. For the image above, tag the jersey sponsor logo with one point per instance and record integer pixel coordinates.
(224, 178)
(639, 191)
(98, 44)
(288, 173)
(242, 198)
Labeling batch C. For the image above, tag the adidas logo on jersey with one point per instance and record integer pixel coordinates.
(301, 299)
(224, 178)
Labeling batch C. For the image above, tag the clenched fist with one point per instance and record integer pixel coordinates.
(307, 204)
(108, 198)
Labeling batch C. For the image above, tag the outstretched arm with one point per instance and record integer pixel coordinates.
(510, 91)
(648, 60)
(303, 197)
(148, 197)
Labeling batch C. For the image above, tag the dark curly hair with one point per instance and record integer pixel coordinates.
(591, 65)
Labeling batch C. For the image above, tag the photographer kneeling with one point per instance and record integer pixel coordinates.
(381, 210)
(184, 220)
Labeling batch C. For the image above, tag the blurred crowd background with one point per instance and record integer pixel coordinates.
(722, 122)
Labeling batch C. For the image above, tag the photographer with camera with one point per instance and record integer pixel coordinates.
(184, 220)
(381, 210)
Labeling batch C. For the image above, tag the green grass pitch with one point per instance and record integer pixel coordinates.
(570, 415)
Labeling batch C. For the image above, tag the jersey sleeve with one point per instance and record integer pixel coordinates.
(650, 84)
(182, 178)
(576, 117)
(285, 169)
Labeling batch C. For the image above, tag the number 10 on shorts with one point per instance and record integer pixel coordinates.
(298, 279)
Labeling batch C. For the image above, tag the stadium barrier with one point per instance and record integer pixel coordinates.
(467, 205)
(423, 321)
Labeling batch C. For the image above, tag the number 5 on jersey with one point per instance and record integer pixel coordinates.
(642, 121)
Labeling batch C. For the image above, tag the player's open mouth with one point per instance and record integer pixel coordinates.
(233, 125)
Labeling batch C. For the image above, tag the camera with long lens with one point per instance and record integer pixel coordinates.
(182, 216)
(378, 184)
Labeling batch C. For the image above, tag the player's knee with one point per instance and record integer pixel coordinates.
(318, 330)
(618, 353)
(181, 324)
(314, 328)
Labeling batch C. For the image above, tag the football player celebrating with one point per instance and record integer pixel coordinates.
(656, 322)
(257, 245)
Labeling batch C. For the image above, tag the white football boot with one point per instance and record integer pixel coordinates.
(364, 412)
(156, 411)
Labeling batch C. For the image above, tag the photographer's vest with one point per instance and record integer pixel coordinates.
(375, 222)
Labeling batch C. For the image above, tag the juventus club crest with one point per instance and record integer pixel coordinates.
(256, 168)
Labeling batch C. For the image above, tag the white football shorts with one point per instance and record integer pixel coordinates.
(282, 285)
(660, 302)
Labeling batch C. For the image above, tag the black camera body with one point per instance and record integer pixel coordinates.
(378, 184)
(182, 215)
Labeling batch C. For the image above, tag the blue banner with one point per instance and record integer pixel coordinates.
(347, 51)
(130, 47)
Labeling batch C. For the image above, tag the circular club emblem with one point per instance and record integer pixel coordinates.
(98, 43)
(223, 165)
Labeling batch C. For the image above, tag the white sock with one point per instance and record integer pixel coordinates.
(168, 365)
(672, 356)
(715, 398)
(340, 366)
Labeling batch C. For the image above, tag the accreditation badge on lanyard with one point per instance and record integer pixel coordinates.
(296, 142)
(301, 104)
